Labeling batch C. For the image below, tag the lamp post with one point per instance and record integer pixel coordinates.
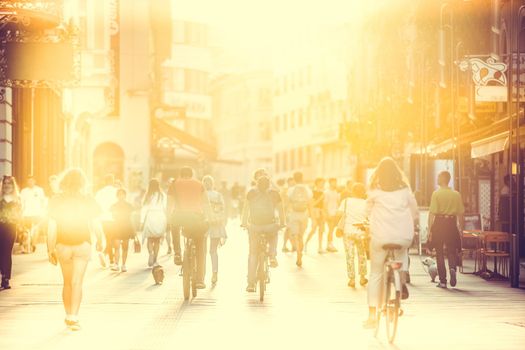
(454, 92)
(442, 82)
(518, 211)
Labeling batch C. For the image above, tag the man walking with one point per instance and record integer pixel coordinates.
(34, 203)
(300, 203)
(331, 204)
(105, 198)
(446, 224)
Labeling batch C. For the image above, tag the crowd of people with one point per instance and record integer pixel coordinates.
(195, 207)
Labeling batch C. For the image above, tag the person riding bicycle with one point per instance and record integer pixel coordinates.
(191, 212)
(262, 203)
(392, 211)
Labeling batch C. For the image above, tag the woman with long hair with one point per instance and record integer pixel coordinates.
(217, 230)
(10, 215)
(73, 218)
(392, 212)
(154, 220)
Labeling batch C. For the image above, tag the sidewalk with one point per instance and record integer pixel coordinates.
(309, 308)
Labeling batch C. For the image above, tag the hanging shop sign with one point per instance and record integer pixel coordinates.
(489, 79)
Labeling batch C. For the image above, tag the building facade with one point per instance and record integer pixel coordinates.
(242, 122)
(311, 103)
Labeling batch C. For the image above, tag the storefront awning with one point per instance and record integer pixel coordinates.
(187, 141)
(441, 148)
(489, 145)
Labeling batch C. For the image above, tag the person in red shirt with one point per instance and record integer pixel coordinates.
(191, 212)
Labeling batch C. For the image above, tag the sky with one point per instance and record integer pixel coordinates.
(265, 23)
(263, 30)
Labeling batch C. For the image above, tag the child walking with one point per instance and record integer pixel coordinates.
(122, 212)
(353, 211)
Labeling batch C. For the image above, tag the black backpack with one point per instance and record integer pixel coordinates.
(262, 208)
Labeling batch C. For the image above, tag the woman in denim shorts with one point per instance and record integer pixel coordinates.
(73, 217)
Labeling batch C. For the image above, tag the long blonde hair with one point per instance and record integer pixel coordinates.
(15, 186)
(388, 176)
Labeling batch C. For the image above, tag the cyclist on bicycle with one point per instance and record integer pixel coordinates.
(392, 211)
(259, 217)
(191, 212)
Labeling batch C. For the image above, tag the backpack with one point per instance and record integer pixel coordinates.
(262, 208)
(299, 199)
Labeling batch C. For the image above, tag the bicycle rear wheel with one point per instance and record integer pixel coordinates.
(392, 304)
(186, 276)
(262, 277)
(194, 277)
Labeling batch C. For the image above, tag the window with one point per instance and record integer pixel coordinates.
(300, 152)
(285, 161)
(292, 159)
(264, 130)
(285, 122)
(308, 117)
(277, 120)
(285, 85)
(178, 80)
(292, 120)
(195, 81)
(308, 155)
(277, 163)
(179, 32)
(300, 118)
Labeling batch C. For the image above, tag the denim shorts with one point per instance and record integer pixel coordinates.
(67, 253)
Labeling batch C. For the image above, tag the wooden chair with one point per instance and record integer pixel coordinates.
(472, 250)
(497, 246)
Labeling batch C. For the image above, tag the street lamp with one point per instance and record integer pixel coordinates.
(442, 82)
(518, 211)
(456, 55)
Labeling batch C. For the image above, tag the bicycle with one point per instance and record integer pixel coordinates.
(392, 304)
(391, 308)
(263, 270)
(189, 268)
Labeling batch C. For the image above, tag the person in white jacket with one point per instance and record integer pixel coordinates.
(392, 212)
(154, 220)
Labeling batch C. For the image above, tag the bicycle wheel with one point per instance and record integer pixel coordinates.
(262, 277)
(186, 275)
(194, 277)
(393, 301)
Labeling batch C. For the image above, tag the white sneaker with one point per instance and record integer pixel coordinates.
(114, 267)
(321, 251)
(124, 268)
(331, 248)
(102, 260)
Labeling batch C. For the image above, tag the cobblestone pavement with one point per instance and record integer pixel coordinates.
(308, 308)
